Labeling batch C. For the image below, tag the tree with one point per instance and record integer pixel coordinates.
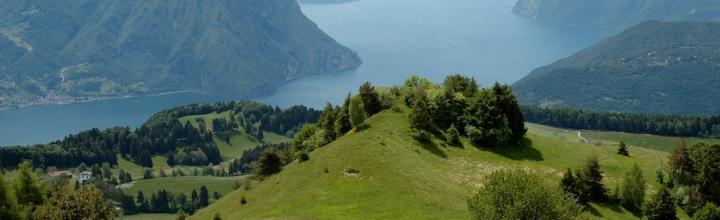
(327, 120)
(569, 184)
(633, 189)
(622, 149)
(590, 181)
(8, 208)
(204, 199)
(370, 99)
(148, 174)
(517, 194)
(28, 191)
(679, 162)
(143, 205)
(420, 118)
(661, 206)
(268, 164)
(357, 112)
(106, 170)
(709, 212)
(342, 120)
(456, 83)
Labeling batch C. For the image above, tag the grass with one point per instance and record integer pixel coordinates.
(401, 179)
(184, 184)
(241, 141)
(612, 139)
(662, 143)
(149, 216)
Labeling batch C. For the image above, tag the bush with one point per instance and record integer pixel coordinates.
(302, 156)
(709, 212)
(517, 194)
(453, 135)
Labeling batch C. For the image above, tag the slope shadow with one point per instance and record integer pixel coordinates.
(612, 206)
(522, 151)
(433, 148)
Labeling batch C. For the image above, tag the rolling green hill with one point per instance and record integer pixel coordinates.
(66, 50)
(397, 178)
(654, 67)
(616, 13)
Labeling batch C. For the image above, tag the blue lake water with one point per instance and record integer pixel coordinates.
(395, 39)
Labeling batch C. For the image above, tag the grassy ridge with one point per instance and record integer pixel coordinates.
(401, 179)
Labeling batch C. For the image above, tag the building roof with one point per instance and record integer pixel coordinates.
(86, 173)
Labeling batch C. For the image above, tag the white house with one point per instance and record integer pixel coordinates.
(85, 177)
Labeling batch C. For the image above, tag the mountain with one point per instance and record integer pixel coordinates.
(654, 67)
(384, 173)
(616, 13)
(59, 50)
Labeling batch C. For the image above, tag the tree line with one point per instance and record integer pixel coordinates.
(667, 125)
(162, 134)
(163, 201)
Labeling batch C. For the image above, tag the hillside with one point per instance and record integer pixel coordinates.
(616, 13)
(65, 51)
(653, 67)
(401, 179)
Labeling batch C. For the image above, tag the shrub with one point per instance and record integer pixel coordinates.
(423, 136)
(709, 212)
(517, 194)
(453, 135)
(302, 156)
(243, 201)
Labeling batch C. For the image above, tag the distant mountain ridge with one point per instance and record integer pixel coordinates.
(654, 67)
(64, 50)
(617, 13)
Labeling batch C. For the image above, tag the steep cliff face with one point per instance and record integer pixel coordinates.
(616, 13)
(89, 48)
(653, 67)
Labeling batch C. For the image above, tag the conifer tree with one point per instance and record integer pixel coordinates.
(622, 149)
(679, 162)
(27, 189)
(204, 199)
(661, 206)
(342, 120)
(590, 181)
(370, 99)
(8, 208)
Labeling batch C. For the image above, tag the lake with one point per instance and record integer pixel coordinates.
(395, 39)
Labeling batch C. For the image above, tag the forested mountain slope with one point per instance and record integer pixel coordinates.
(59, 50)
(654, 67)
(616, 13)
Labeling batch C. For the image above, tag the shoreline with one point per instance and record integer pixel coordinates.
(78, 100)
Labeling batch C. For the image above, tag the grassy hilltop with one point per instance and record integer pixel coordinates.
(398, 178)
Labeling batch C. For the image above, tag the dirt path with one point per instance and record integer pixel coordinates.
(584, 140)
